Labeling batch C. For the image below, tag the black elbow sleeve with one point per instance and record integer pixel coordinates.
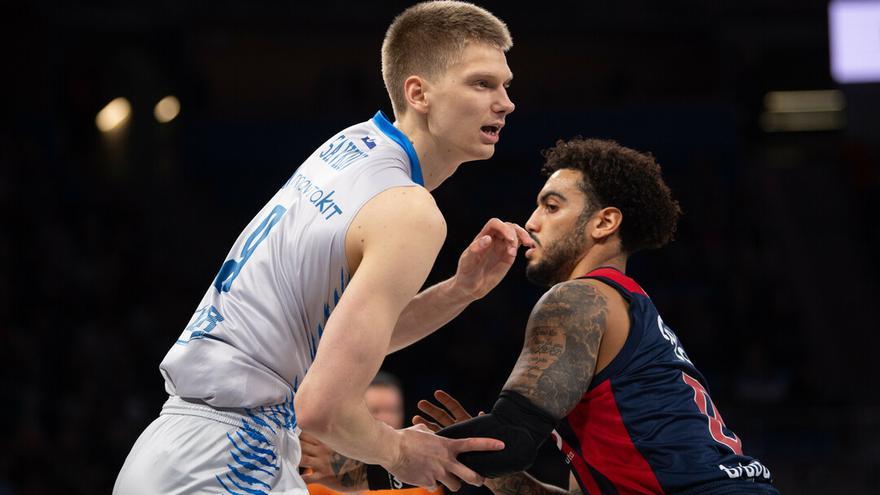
(521, 425)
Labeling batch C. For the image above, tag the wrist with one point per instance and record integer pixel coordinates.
(392, 457)
(456, 294)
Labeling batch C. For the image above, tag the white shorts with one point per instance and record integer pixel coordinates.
(193, 449)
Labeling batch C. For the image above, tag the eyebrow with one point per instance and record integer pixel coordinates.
(545, 196)
(487, 75)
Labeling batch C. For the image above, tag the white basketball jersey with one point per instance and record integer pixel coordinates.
(256, 330)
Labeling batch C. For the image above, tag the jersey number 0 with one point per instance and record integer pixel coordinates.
(716, 424)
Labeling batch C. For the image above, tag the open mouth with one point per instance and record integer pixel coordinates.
(490, 133)
(490, 129)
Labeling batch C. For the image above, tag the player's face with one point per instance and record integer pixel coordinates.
(469, 103)
(385, 404)
(558, 224)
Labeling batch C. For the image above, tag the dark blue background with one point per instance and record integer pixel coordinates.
(108, 243)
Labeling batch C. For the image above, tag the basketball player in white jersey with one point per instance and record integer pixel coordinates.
(322, 284)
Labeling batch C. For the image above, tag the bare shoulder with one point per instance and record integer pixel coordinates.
(563, 335)
(408, 206)
(399, 216)
(570, 300)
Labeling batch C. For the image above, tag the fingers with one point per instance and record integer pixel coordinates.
(522, 234)
(465, 474)
(418, 420)
(311, 476)
(467, 445)
(497, 229)
(476, 444)
(437, 413)
(455, 408)
(421, 427)
(451, 482)
(310, 439)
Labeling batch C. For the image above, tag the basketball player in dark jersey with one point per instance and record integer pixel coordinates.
(600, 372)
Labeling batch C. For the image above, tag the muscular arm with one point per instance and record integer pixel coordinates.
(397, 236)
(429, 310)
(554, 369)
(482, 265)
(400, 232)
(558, 359)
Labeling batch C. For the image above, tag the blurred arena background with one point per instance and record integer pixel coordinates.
(110, 237)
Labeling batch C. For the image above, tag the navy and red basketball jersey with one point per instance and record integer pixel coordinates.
(647, 424)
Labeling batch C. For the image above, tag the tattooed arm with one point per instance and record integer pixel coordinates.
(553, 371)
(331, 469)
(525, 484)
(521, 483)
(558, 359)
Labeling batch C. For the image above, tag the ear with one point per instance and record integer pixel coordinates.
(415, 91)
(605, 223)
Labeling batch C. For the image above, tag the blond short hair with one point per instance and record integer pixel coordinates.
(429, 37)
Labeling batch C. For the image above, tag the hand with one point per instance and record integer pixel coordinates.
(426, 458)
(440, 416)
(329, 468)
(488, 258)
(455, 413)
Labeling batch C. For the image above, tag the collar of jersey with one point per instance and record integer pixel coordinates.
(400, 138)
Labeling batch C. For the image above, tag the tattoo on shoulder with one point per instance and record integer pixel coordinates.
(558, 359)
(350, 473)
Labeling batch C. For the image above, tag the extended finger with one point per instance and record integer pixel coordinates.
(524, 238)
(466, 474)
(451, 482)
(476, 444)
(501, 230)
(437, 413)
(455, 408)
(481, 243)
(418, 420)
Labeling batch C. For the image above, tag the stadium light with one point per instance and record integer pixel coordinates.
(167, 109)
(112, 116)
(793, 111)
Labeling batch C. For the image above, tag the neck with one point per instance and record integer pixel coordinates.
(595, 259)
(437, 161)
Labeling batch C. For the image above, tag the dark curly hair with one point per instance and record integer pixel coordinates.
(623, 178)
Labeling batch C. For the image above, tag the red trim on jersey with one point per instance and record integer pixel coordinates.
(581, 472)
(607, 446)
(618, 276)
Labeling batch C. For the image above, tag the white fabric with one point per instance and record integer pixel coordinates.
(229, 425)
(291, 279)
(193, 449)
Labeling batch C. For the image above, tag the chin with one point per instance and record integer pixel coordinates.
(473, 155)
(486, 152)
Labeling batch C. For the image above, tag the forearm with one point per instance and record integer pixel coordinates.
(355, 435)
(329, 403)
(428, 311)
(524, 484)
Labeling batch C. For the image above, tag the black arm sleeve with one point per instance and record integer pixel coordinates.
(521, 425)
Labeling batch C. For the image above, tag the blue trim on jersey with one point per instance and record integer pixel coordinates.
(400, 138)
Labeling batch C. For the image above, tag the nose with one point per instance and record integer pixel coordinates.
(533, 225)
(504, 105)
